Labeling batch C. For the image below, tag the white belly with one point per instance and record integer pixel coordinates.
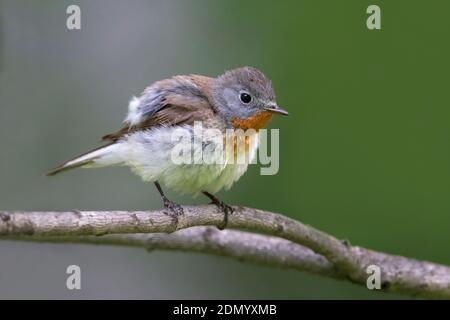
(149, 154)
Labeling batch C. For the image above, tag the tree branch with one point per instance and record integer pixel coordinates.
(243, 246)
(302, 247)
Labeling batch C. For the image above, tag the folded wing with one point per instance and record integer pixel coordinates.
(176, 101)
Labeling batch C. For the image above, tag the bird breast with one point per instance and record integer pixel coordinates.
(149, 154)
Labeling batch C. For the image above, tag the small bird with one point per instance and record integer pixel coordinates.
(241, 98)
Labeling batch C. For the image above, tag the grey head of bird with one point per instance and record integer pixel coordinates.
(245, 97)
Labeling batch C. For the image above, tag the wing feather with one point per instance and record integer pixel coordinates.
(176, 101)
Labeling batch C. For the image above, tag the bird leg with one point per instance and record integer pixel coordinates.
(226, 209)
(173, 209)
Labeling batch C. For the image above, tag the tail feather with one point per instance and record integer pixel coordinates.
(102, 156)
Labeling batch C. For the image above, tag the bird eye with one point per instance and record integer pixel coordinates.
(245, 97)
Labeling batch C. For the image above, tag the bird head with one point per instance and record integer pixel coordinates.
(246, 98)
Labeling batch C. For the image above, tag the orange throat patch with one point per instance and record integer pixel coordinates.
(256, 122)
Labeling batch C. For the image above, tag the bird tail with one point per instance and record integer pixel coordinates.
(107, 155)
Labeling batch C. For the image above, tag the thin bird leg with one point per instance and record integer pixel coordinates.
(174, 209)
(226, 209)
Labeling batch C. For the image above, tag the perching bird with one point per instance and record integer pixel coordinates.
(242, 98)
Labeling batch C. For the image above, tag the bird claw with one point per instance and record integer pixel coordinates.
(226, 209)
(173, 209)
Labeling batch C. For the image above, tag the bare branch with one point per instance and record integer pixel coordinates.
(303, 247)
(243, 246)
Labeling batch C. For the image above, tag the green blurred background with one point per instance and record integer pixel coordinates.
(365, 153)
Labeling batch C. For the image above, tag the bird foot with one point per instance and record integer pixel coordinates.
(225, 208)
(173, 209)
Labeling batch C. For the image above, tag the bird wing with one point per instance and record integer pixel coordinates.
(176, 101)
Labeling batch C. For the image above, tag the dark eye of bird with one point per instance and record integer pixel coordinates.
(245, 97)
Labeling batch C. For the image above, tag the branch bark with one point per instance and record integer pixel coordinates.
(282, 242)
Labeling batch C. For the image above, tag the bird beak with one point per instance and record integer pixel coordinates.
(276, 109)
